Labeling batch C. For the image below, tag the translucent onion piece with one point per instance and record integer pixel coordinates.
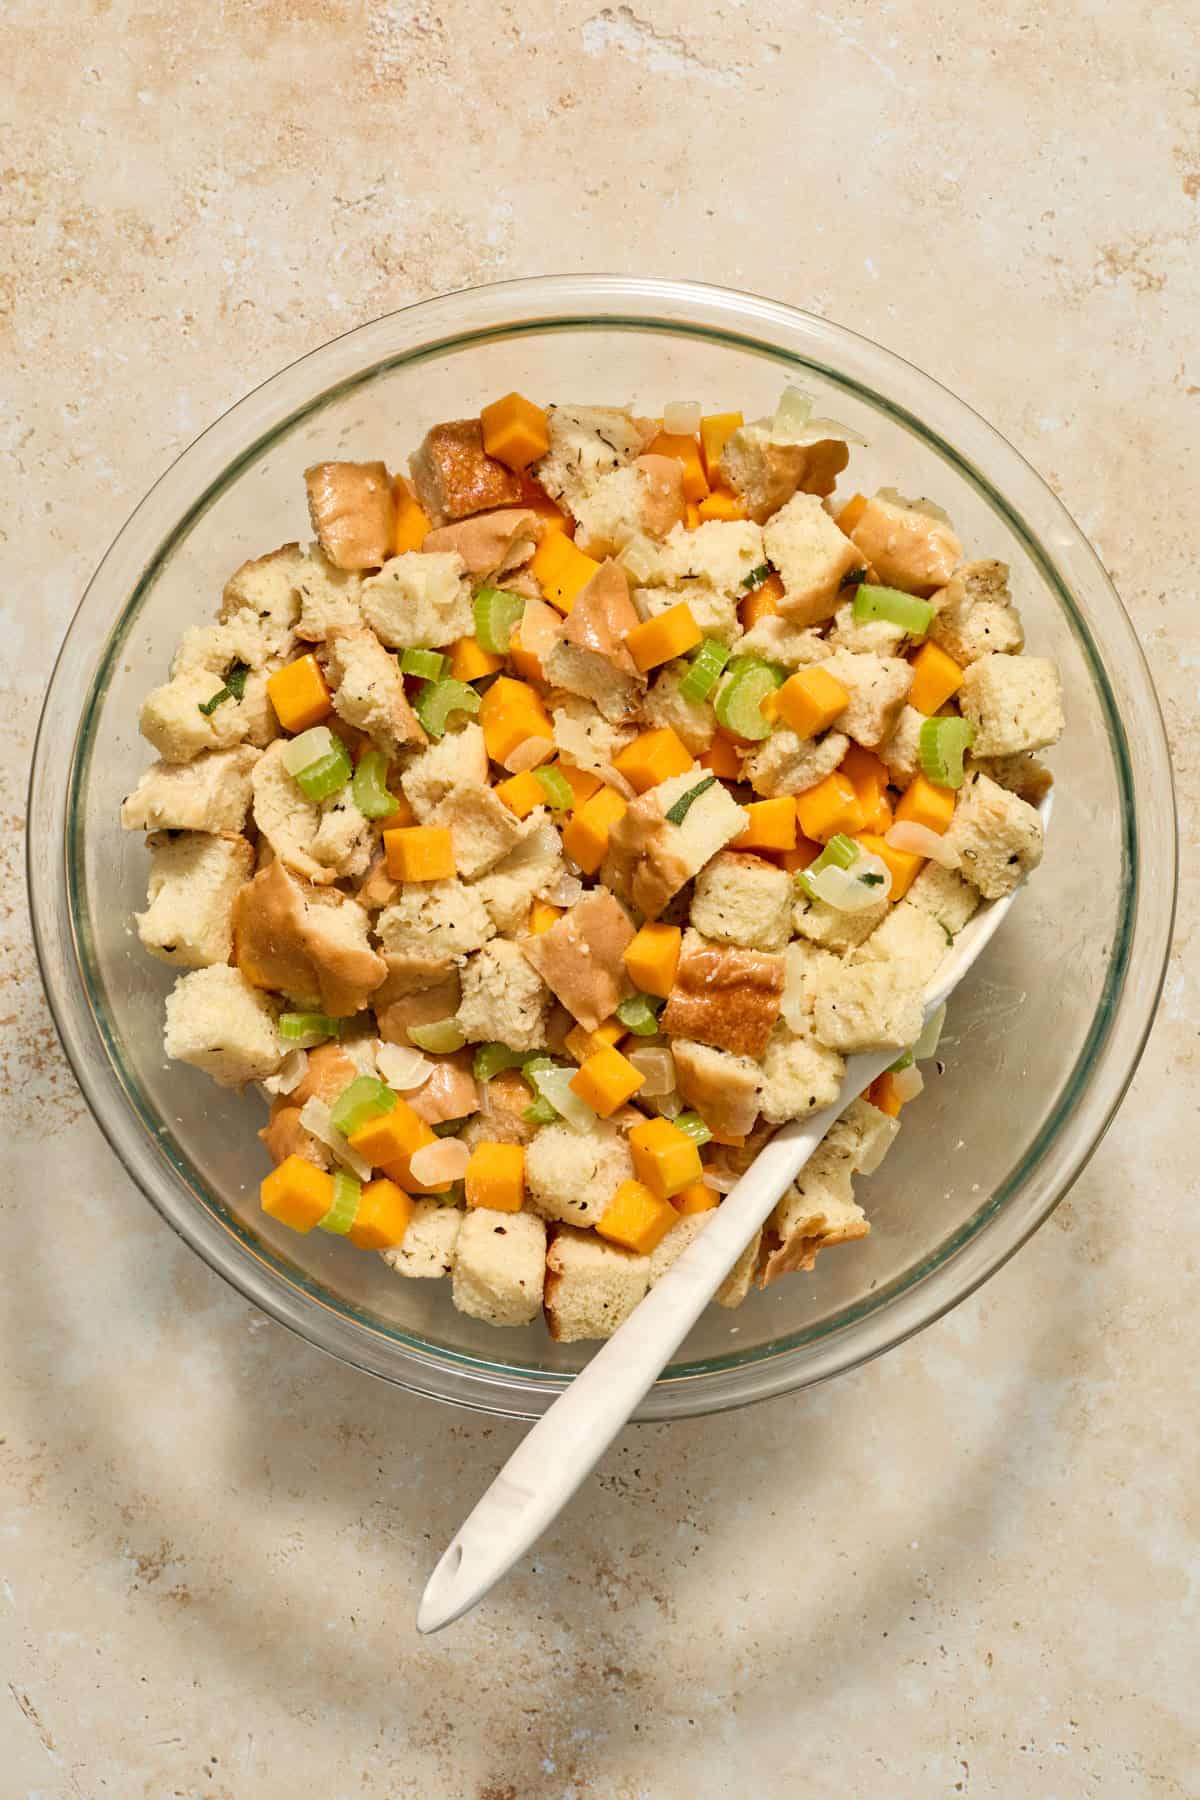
(308, 748)
(846, 891)
(721, 1181)
(289, 1074)
(930, 508)
(639, 555)
(565, 891)
(926, 1045)
(314, 1116)
(539, 628)
(791, 416)
(681, 418)
(918, 840)
(818, 429)
(907, 1084)
(402, 1067)
(657, 1067)
(667, 1106)
(433, 1164)
(554, 1084)
(529, 752)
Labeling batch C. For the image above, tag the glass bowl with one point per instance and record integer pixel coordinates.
(1042, 1039)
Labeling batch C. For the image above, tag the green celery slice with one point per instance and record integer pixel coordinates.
(705, 670)
(901, 1062)
(497, 614)
(347, 1191)
(942, 745)
(493, 1059)
(365, 1098)
(838, 853)
(428, 664)
(540, 1112)
(438, 699)
(738, 704)
(639, 1015)
(301, 1030)
(897, 608)
(328, 775)
(556, 788)
(675, 815)
(370, 789)
(693, 1126)
(442, 1036)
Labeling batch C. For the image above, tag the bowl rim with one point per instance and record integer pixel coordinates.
(429, 328)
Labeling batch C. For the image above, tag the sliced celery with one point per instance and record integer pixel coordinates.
(738, 704)
(441, 1037)
(897, 608)
(497, 614)
(493, 1059)
(428, 664)
(556, 788)
(328, 775)
(438, 699)
(705, 670)
(638, 1015)
(309, 747)
(347, 1191)
(931, 1036)
(838, 853)
(370, 787)
(676, 814)
(539, 1112)
(942, 745)
(300, 1030)
(365, 1098)
(901, 1062)
(693, 1126)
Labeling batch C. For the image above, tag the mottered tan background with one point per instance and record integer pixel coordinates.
(970, 1569)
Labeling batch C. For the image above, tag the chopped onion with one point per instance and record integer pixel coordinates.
(528, 754)
(565, 891)
(314, 1116)
(656, 1066)
(361, 1051)
(539, 628)
(555, 1084)
(845, 889)
(721, 1181)
(681, 418)
(820, 429)
(918, 840)
(907, 1083)
(639, 556)
(791, 416)
(930, 508)
(444, 1161)
(308, 748)
(667, 1106)
(402, 1067)
(931, 1036)
(289, 1074)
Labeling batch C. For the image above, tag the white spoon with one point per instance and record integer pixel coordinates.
(565, 1444)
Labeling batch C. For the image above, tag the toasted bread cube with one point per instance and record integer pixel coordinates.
(799, 1076)
(998, 836)
(812, 556)
(723, 1088)
(454, 476)
(193, 880)
(974, 615)
(739, 899)
(353, 512)
(725, 997)
(419, 600)
(571, 1176)
(786, 764)
(427, 1250)
(504, 999)
(591, 1287)
(369, 690)
(868, 1006)
(217, 1022)
(907, 547)
(1014, 703)
(500, 1266)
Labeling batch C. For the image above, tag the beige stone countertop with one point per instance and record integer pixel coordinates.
(972, 1569)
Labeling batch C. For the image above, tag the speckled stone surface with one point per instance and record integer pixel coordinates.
(971, 1569)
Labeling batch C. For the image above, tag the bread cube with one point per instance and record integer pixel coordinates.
(436, 919)
(812, 557)
(1014, 703)
(457, 757)
(211, 793)
(532, 866)
(193, 880)
(740, 899)
(330, 598)
(910, 936)
(219, 1023)
(779, 640)
(419, 600)
(503, 998)
(868, 1006)
(998, 836)
(974, 615)
(430, 1243)
(266, 589)
(740, 1279)
(787, 764)
(900, 750)
(591, 1286)
(724, 997)
(321, 840)
(817, 1212)
(500, 1266)
(869, 637)
(945, 896)
(482, 829)
(798, 1076)
(865, 1134)
(878, 687)
(724, 1089)
(907, 547)
(454, 476)
(692, 721)
(368, 689)
(572, 1175)
(834, 929)
(587, 443)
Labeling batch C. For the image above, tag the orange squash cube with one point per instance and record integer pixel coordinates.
(582, 783)
(469, 661)
(869, 778)
(691, 515)
(297, 1193)
(762, 603)
(636, 1218)
(810, 700)
(509, 713)
(697, 1197)
(936, 677)
(413, 523)
(581, 1043)
(653, 757)
(722, 504)
(828, 808)
(495, 1177)
(923, 803)
(390, 1138)
(723, 758)
(902, 865)
(515, 431)
(715, 431)
(665, 1159)
(384, 1211)
(419, 853)
(652, 958)
(542, 916)
(882, 1093)
(668, 635)
(300, 694)
(851, 513)
(771, 825)
(527, 665)
(562, 570)
(605, 1081)
(521, 793)
(687, 451)
(585, 836)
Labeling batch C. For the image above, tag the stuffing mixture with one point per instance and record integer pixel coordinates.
(552, 829)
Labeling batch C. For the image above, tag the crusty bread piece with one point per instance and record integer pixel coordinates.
(798, 1076)
(572, 1175)
(591, 1286)
(817, 1212)
(878, 688)
(330, 599)
(580, 958)
(193, 880)
(170, 718)
(811, 556)
(419, 600)
(320, 840)
(587, 443)
(740, 1279)
(368, 689)
(650, 858)
(997, 835)
(765, 474)
(504, 999)
(906, 547)
(645, 496)
(353, 512)
(589, 656)
(868, 1006)
(587, 740)
(1014, 703)
(974, 614)
(669, 1249)
(500, 1266)
(787, 764)
(724, 1089)
(306, 942)
(780, 640)
(490, 543)
(873, 637)
(900, 750)
(865, 1134)
(910, 936)
(418, 990)
(428, 1248)
(1021, 773)
(429, 777)
(693, 721)
(833, 929)
(945, 896)
(266, 589)
(743, 899)
(724, 997)
(217, 1022)
(482, 829)
(454, 476)
(210, 793)
(435, 919)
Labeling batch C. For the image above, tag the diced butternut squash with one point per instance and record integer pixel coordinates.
(562, 570)
(828, 808)
(389, 1139)
(851, 513)
(582, 783)
(771, 825)
(723, 758)
(810, 700)
(653, 757)
(935, 677)
(664, 1158)
(509, 713)
(469, 660)
(799, 858)
(384, 1211)
(585, 836)
(514, 431)
(581, 1043)
(495, 1177)
(903, 866)
(882, 1093)
(413, 523)
(869, 778)
(636, 1218)
(762, 603)
(419, 853)
(722, 504)
(697, 1197)
(297, 1193)
(715, 430)
(668, 635)
(728, 1138)
(542, 916)
(691, 515)
(521, 793)
(300, 694)
(687, 451)
(922, 803)
(652, 958)
(606, 1080)
(527, 665)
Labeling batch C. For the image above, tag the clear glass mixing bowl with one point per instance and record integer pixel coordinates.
(1042, 1039)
